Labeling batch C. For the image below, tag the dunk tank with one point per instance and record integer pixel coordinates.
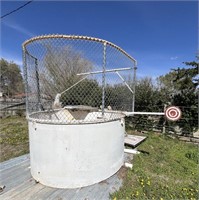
(77, 88)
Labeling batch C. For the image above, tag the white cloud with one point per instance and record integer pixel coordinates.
(174, 58)
(18, 28)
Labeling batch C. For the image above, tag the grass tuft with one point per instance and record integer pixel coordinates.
(13, 137)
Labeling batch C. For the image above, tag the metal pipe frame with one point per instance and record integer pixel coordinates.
(73, 85)
(134, 84)
(143, 113)
(106, 71)
(38, 85)
(125, 82)
(26, 80)
(103, 78)
(76, 37)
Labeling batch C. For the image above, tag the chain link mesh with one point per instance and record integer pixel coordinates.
(75, 79)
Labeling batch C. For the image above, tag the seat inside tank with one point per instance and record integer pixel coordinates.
(75, 115)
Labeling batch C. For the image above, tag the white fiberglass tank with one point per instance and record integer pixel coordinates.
(75, 155)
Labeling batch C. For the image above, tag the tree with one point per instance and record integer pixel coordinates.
(148, 98)
(61, 66)
(181, 86)
(118, 97)
(180, 82)
(86, 93)
(11, 78)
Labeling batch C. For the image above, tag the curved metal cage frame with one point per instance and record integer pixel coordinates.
(73, 79)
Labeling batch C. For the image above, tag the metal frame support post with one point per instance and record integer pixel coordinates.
(164, 122)
(103, 77)
(134, 84)
(25, 79)
(38, 86)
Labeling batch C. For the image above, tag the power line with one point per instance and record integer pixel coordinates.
(16, 9)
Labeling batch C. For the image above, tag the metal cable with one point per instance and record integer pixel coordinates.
(16, 9)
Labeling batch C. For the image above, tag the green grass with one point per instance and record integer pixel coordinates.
(13, 137)
(167, 170)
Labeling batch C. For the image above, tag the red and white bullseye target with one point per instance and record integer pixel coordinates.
(173, 113)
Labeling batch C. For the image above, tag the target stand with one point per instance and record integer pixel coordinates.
(173, 113)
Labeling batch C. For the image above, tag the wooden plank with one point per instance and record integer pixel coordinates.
(17, 177)
(86, 192)
(13, 172)
(18, 189)
(30, 192)
(45, 193)
(13, 162)
(65, 194)
(113, 185)
(14, 183)
(20, 185)
(133, 140)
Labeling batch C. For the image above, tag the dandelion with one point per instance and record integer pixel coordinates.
(137, 193)
(161, 198)
(115, 198)
(148, 183)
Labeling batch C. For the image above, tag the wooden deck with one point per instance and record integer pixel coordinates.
(19, 185)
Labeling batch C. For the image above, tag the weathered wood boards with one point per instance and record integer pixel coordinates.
(133, 140)
(15, 176)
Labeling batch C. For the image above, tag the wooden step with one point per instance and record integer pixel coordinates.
(134, 140)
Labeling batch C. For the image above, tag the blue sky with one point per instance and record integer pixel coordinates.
(160, 35)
